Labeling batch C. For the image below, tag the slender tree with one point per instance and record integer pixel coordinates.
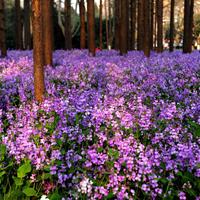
(68, 32)
(100, 26)
(146, 12)
(27, 28)
(38, 55)
(18, 25)
(151, 8)
(91, 27)
(188, 25)
(106, 15)
(133, 23)
(124, 27)
(2, 30)
(159, 12)
(109, 23)
(117, 11)
(82, 21)
(171, 35)
(140, 23)
(47, 31)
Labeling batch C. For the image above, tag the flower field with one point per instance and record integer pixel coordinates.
(110, 127)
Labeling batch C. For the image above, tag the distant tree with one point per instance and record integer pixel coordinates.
(18, 25)
(68, 31)
(38, 56)
(100, 25)
(124, 27)
(171, 34)
(82, 21)
(27, 28)
(91, 27)
(159, 15)
(47, 24)
(188, 26)
(106, 18)
(2, 30)
(133, 23)
(151, 32)
(140, 24)
(117, 12)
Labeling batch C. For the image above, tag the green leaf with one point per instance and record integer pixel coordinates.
(2, 173)
(113, 153)
(18, 181)
(24, 169)
(110, 196)
(55, 196)
(29, 192)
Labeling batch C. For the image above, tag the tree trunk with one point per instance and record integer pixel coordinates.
(100, 26)
(82, 20)
(159, 12)
(107, 31)
(47, 31)
(151, 4)
(133, 23)
(18, 25)
(146, 28)
(109, 24)
(140, 33)
(171, 34)
(124, 27)
(188, 25)
(117, 23)
(38, 58)
(27, 28)
(2, 30)
(68, 32)
(91, 27)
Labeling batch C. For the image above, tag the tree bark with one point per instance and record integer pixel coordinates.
(140, 33)
(124, 27)
(159, 12)
(151, 23)
(171, 34)
(188, 26)
(109, 24)
(133, 23)
(117, 23)
(68, 31)
(18, 26)
(106, 16)
(27, 28)
(82, 20)
(100, 26)
(91, 27)
(2, 30)
(147, 35)
(47, 25)
(38, 58)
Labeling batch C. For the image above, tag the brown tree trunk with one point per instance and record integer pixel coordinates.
(117, 23)
(159, 12)
(124, 27)
(146, 28)
(2, 30)
(82, 20)
(18, 25)
(91, 27)
(171, 34)
(188, 26)
(151, 4)
(106, 15)
(100, 26)
(133, 23)
(27, 28)
(140, 33)
(109, 24)
(47, 25)
(38, 58)
(68, 33)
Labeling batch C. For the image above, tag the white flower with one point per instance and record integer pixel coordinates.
(44, 197)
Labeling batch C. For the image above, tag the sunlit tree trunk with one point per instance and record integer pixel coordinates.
(133, 23)
(188, 25)
(27, 28)
(38, 58)
(82, 20)
(91, 27)
(100, 26)
(2, 30)
(117, 23)
(159, 12)
(47, 31)
(124, 27)
(68, 33)
(18, 25)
